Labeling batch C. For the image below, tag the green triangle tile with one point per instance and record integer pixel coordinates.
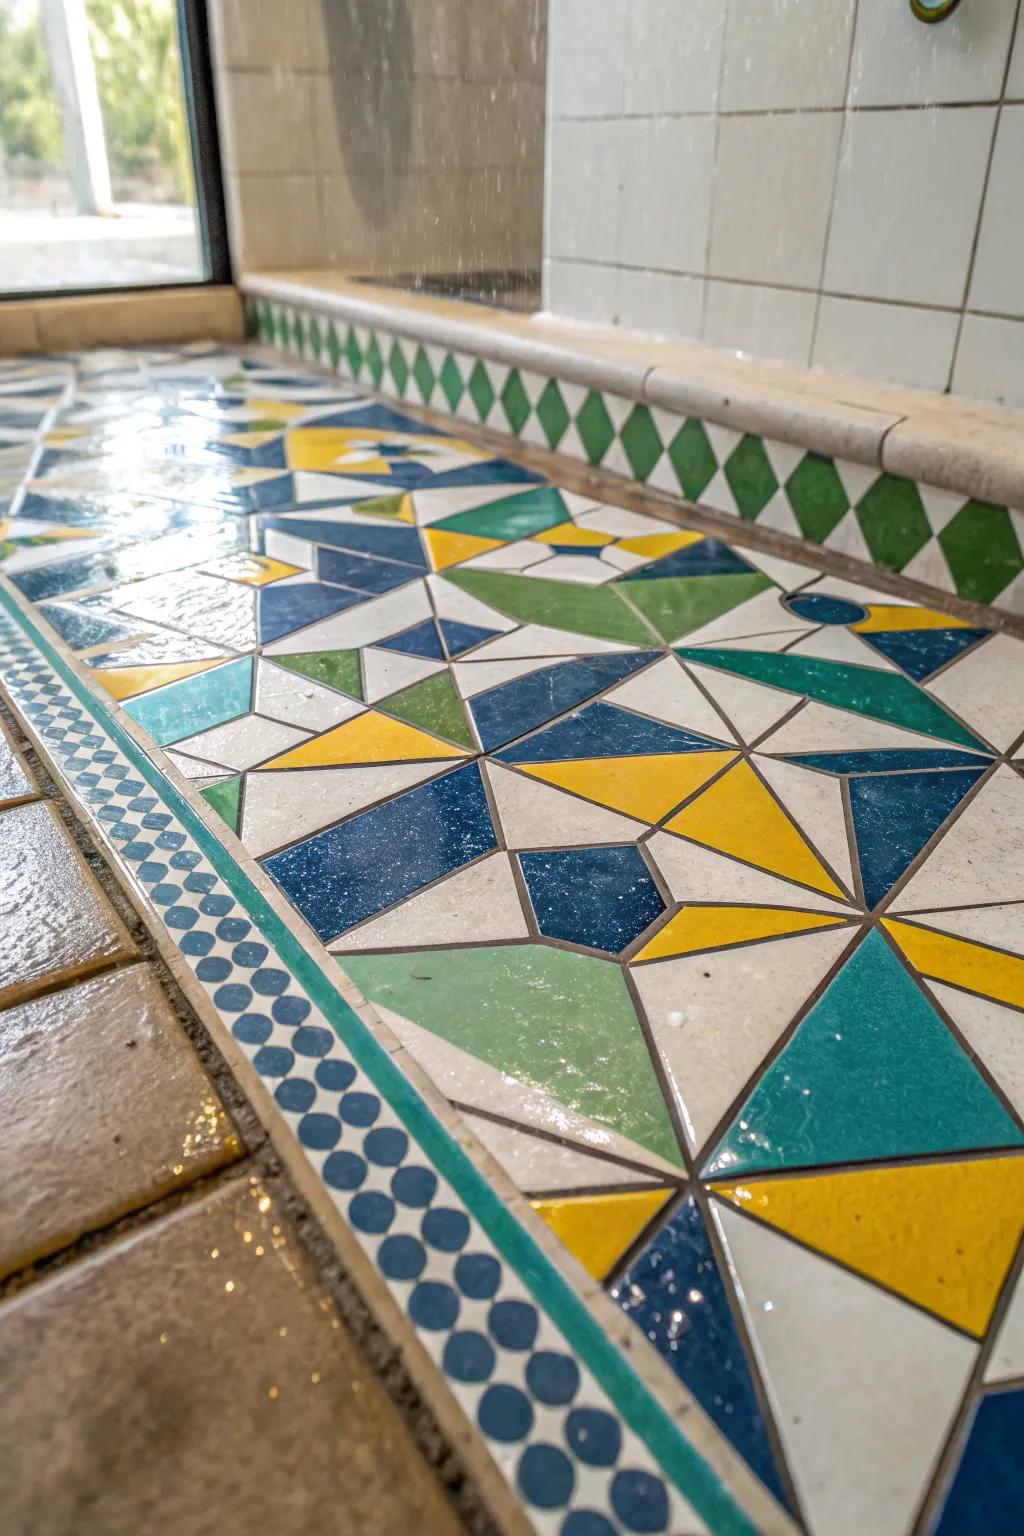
(693, 459)
(751, 477)
(434, 706)
(642, 442)
(561, 1021)
(299, 334)
(675, 605)
(225, 797)
(481, 390)
(315, 339)
(333, 345)
(817, 497)
(374, 361)
(516, 401)
(398, 367)
(598, 611)
(893, 522)
(595, 427)
(338, 669)
(284, 330)
(381, 506)
(862, 690)
(195, 703)
(871, 1072)
(552, 413)
(423, 373)
(513, 517)
(981, 550)
(353, 351)
(451, 382)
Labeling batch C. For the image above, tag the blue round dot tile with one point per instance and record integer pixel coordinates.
(513, 1324)
(552, 1378)
(252, 1028)
(505, 1414)
(386, 1146)
(345, 1170)
(269, 983)
(371, 1212)
(334, 1076)
(414, 1186)
(478, 1275)
(820, 608)
(273, 1061)
(229, 929)
(232, 997)
(468, 1356)
(545, 1476)
(319, 1131)
(586, 1522)
(296, 1095)
(594, 1436)
(197, 943)
(308, 1040)
(290, 1011)
(249, 954)
(402, 1258)
(445, 1229)
(214, 968)
(359, 1109)
(640, 1501)
(434, 1305)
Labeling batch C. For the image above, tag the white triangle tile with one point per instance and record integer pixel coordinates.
(718, 494)
(929, 565)
(1006, 1361)
(864, 1386)
(834, 643)
(667, 693)
(297, 700)
(310, 486)
(573, 395)
(285, 546)
(1001, 927)
(761, 615)
(582, 570)
(387, 672)
(452, 603)
(815, 803)
(538, 1166)
(623, 559)
(375, 620)
(981, 857)
(856, 479)
(751, 708)
(540, 640)
(783, 458)
(693, 873)
(714, 1016)
(511, 557)
(535, 815)
(282, 806)
(430, 506)
(722, 439)
(615, 460)
(940, 506)
(1012, 596)
(475, 677)
(478, 1085)
(241, 743)
(986, 689)
(621, 522)
(663, 476)
(479, 903)
(995, 1033)
(194, 767)
(846, 538)
(572, 444)
(778, 514)
(820, 728)
(619, 409)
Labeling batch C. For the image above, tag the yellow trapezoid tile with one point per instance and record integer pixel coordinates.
(737, 815)
(597, 1229)
(451, 548)
(645, 787)
(654, 545)
(276, 410)
(369, 738)
(126, 682)
(696, 928)
(941, 1234)
(961, 963)
(252, 570)
(570, 533)
(885, 616)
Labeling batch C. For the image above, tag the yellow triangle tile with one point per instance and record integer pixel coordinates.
(55, 535)
(889, 616)
(253, 570)
(369, 738)
(738, 816)
(646, 787)
(597, 1229)
(941, 1234)
(450, 548)
(569, 533)
(974, 967)
(126, 682)
(5, 527)
(276, 410)
(653, 545)
(251, 439)
(713, 927)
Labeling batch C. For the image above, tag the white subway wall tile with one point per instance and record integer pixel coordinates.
(1015, 79)
(786, 54)
(586, 46)
(998, 279)
(661, 303)
(899, 62)
(673, 55)
(667, 168)
(766, 322)
(988, 360)
(580, 290)
(584, 179)
(892, 342)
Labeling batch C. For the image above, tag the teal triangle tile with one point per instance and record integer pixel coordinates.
(894, 815)
(862, 690)
(195, 703)
(870, 1073)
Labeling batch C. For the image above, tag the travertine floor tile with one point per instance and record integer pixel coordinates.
(15, 780)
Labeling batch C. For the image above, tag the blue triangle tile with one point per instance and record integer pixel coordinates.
(363, 572)
(986, 1495)
(377, 418)
(422, 640)
(601, 897)
(870, 1073)
(889, 760)
(920, 652)
(383, 541)
(675, 1294)
(894, 815)
(708, 558)
(463, 637)
(487, 472)
(603, 730)
(503, 713)
(283, 609)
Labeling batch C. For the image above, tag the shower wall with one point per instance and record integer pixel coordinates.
(822, 182)
(382, 136)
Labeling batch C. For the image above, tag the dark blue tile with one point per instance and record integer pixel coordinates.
(487, 472)
(708, 558)
(285, 608)
(131, 561)
(821, 608)
(348, 873)
(79, 629)
(588, 551)
(377, 418)
(421, 640)
(381, 540)
(602, 730)
(894, 815)
(673, 1292)
(601, 897)
(500, 714)
(889, 761)
(362, 572)
(463, 637)
(920, 652)
(986, 1497)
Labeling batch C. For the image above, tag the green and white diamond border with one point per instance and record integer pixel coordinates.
(956, 544)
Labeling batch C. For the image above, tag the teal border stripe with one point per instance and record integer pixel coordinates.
(636, 1402)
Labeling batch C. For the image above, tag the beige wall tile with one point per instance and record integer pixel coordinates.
(266, 121)
(439, 38)
(266, 34)
(19, 330)
(275, 221)
(207, 313)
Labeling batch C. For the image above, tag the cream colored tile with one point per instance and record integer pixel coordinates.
(666, 170)
(275, 221)
(19, 330)
(766, 322)
(512, 43)
(988, 360)
(266, 34)
(887, 341)
(672, 55)
(778, 54)
(125, 319)
(439, 39)
(998, 279)
(266, 123)
(16, 783)
(897, 62)
(773, 190)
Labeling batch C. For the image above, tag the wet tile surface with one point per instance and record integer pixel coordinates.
(232, 1399)
(692, 877)
(16, 783)
(104, 1108)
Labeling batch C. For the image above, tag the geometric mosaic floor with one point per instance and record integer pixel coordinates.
(693, 878)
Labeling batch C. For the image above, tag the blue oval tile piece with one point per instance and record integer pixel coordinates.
(600, 897)
(820, 608)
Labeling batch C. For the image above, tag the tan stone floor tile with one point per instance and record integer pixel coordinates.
(55, 920)
(193, 1379)
(104, 1108)
(16, 782)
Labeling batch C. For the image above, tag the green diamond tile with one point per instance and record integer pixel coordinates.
(981, 550)
(353, 351)
(642, 442)
(299, 334)
(481, 390)
(333, 345)
(284, 329)
(316, 341)
(751, 477)
(893, 522)
(264, 322)
(451, 382)
(817, 497)
(423, 373)
(374, 361)
(693, 459)
(594, 425)
(516, 402)
(398, 367)
(552, 413)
